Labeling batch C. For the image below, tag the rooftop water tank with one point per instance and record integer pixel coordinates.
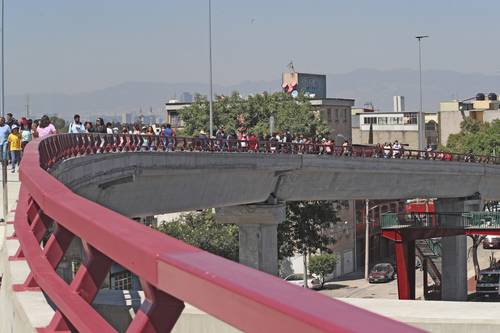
(492, 96)
(480, 97)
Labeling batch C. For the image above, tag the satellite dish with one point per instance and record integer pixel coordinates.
(295, 94)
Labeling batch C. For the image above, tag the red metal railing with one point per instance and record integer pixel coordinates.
(54, 149)
(171, 272)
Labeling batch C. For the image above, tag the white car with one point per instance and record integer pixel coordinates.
(298, 280)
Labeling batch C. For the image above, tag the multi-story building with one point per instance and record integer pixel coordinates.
(186, 97)
(483, 108)
(391, 126)
(372, 127)
(172, 116)
(336, 112)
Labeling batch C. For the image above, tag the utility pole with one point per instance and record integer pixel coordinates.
(28, 106)
(421, 116)
(4, 160)
(367, 239)
(210, 97)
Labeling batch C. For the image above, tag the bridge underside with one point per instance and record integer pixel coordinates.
(142, 184)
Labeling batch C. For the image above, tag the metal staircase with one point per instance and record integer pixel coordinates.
(429, 253)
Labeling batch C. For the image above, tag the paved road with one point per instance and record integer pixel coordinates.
(355, 286)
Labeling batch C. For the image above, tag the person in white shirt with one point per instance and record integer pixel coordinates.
(109, 128)
(396, 149)
(387, 150)
(76, 126)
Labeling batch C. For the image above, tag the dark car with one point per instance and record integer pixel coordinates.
(383, 272)
(491, 242)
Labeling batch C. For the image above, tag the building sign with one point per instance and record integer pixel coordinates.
(311, 85)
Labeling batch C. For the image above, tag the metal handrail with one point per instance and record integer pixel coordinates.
(171, 272)
(476, 220)
(92, 143)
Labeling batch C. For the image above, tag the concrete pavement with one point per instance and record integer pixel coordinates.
(13, 186)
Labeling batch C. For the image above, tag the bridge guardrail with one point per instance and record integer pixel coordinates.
(78, 144)
(478, 220)
(171, 272)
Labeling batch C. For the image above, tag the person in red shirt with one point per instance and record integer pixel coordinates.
(253, 142)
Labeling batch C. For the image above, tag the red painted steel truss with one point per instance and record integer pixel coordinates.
(404, 242)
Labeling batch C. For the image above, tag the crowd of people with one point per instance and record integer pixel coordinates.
(15, 135)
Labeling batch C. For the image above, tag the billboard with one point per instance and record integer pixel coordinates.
(312, 85)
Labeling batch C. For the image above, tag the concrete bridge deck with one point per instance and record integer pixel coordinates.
(184, 181)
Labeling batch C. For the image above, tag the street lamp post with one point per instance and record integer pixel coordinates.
(210, 97)
(367, 240)
(421, 117)
(367, 235)
(4, 161)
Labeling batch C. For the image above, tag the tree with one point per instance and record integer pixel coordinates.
(200, 229)
(303, 231)
(322, 265)
(59, 124)
(252, 113)
(476, 241)
(370, 134)
(476, 137)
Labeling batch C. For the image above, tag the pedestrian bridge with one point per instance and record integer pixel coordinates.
(85, 185)
(406, 228)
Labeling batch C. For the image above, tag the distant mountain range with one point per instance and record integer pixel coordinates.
(363, 85)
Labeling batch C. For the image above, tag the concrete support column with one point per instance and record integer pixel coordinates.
(258, 233)
(454, 250)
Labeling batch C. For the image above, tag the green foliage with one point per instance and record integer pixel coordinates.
(322, 265)
(199, 229)
(304, 229)
(253, 113)
(59, 124)
(479, 138)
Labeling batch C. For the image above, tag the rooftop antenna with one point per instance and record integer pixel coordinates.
(290, 66)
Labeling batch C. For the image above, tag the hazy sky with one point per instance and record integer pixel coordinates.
(71, 46)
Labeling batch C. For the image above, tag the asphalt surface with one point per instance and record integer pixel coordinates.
(355, 286)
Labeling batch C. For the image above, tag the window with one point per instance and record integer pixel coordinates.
(410, 118)
(345, 115)
(121, 280)
(395, 120)
(336, 115)
(369, 120)
(382, 120)
(329, 115)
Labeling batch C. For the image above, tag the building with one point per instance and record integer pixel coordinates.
(127, 118)
(336, 112)
(186, 97)
(399, 103)
(391, 126)
(172, 116)
(484, 108)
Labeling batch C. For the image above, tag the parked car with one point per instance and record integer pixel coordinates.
(491, 242)
(298, 279)
(488, 282)
(383, 272)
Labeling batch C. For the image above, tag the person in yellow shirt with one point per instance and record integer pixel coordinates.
(14, 141)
